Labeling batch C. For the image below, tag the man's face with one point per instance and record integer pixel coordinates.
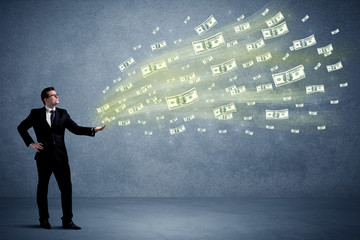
(52, 100)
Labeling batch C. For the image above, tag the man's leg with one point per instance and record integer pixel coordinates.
(44, 173)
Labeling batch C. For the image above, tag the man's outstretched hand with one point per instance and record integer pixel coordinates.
(99, 128)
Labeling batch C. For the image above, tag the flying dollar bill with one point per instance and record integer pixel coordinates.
(295, 74)
(335, 31)
(103, 108)
(287, 98)
(188, 77)
(257, 77)
(233, 43)
(264, 87)
(156, 30)
(189, 118)
(141, 122)
(173, 59)
(228, 89)
(305, 18)
(225, 116)
(276, 31)
(334, 101)
(275, 19)
(126, 64)
(286, 56)
(270, 127)
(211, 86)
(106, 89)
(143, 89)
(312, 113)
(224, 67)
(238, 90)
(250, 103)
(173, 120)
(223, 131)
(299, 105)
(334, 67)
(208, 44)
(242, 27)
(187, 19)
(206, 26)
(265, 12)
(304, 43)
(224, 109)
(295, 130)
(124, 88)
(255, 45)
(137, 47)
(315, 89)
(177, 130)
(148, 133)
(120, 108)
(277, 114)
(274, 68)
(343, 84)
(158, 45)
(321, 127)
(248, 132)
(317, 66)
(117, 80)
(248, 118)
(240, 18)
(183, 99)
(152, 68)
(177, 41)
(232, 78)
(207, 60)
(248, 64)
(264, 57)
(135, 108)
(160, 117)
(326, 49)
(124, 123)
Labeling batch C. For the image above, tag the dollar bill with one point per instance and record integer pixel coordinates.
(207, 60)
(173, 59)
(248, 118)
(325, 50)
(277, 114)
(250, 103)
(304, 42)
(189, 118)
(132, 73)
(335, 31)
(153, 100)
(149, 133)
(183, 99)
(299, 105)
(315, 89)
(126, 64)
(248, 64)
(224, 67)
(211, 86)
(224, 109)
(177, 130)
(257, 77)
(124, 123)
(135, 108)
(187, 19)
(286, 56)
(208, 44)
(158, 45)
(228, 89)
(317, 66)
(275, 19)
(343, 84)
(242, 27)
(233, 43)
(137, 47)
(122, 100)
(120, 108)
(108, 119)
(312, 113)
(177, 41)
(264, 87)
(117, 80)
(124, 88)
(173, 120)
(192, 81)
(141, 122)
(334, 101)
(274, 68)
(248, 132)
(226, 116)
(264, 57)
(152, 68)
(156, 30)
(265, 12)
(295, 74)
(232, 78)
(106, 89)
(201, 129)
(270, 127)
(185, 67)
(238, 90)
(321, 127)
(103, 108)
(255, 45)
(143, 89)
(151, 93)
(305, 18)
(170, 80)
(222, 131)
(206, 26)
(295, 130)
(334, 67)
(188, 77)
(240, 18)
(160, 117)
(287, 98)
(276, 31)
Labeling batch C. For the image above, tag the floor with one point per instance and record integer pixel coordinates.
(187, 218)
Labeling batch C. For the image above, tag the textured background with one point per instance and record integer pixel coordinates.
(75, 46)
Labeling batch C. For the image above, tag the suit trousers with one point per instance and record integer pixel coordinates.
(62, 175)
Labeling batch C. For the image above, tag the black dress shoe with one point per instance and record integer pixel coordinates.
(45, 224)
(70, 225)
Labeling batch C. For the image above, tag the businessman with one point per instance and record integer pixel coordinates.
(49, 124)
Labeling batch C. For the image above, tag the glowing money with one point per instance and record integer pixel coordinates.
(126, 64)
(223, 68)
(183, 99)
(208, 44)
(206, 26)
(295, 74)
(152, 68)
(255, 45)
(275, 19)
(276, 31)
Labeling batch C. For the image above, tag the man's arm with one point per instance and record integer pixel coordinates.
(23, 129)
(78, 130)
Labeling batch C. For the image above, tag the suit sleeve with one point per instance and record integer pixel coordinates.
(23, 129)
(78, 130)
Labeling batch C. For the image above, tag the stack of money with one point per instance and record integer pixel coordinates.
(315, 89)
(183, 99)
(255, 45)
(206, 26)
(208, 44)
(224, 67)
(295, 74)
(277, 114)
(158, 45)
(275, 19)
(126, 64)
(152, 68)
(276, 31)
(303, 43)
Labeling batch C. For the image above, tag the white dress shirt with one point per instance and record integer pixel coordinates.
(48, 114)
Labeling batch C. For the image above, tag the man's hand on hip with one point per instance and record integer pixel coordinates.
(37, 146)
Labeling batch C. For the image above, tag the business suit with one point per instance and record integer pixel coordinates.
(53, 157)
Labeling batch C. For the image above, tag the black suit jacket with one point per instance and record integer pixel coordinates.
(52, 138)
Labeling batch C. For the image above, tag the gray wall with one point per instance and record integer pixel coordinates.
(76, 46)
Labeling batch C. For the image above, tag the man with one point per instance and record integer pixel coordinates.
(49, 123)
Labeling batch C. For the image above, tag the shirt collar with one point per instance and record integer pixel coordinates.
(49, 109)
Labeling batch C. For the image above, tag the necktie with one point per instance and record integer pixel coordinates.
(52, 116)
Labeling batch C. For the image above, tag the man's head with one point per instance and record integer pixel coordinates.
(49, 97)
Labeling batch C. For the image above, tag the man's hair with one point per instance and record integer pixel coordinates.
(44, 93)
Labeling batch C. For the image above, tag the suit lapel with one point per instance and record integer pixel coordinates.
(43, 117)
